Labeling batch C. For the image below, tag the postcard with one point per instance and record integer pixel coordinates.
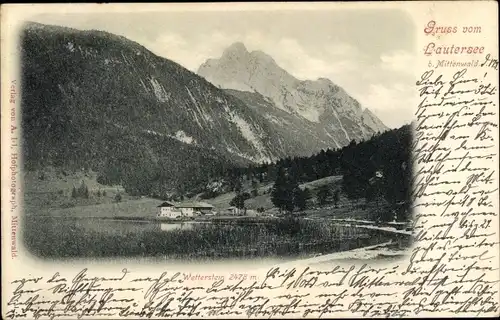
(241, 160)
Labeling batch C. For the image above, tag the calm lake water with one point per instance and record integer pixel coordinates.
(112, 226)
(88, 237)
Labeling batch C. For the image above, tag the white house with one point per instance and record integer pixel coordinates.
(170, 210)
(251, 213)
(190, 209)
(233, 211)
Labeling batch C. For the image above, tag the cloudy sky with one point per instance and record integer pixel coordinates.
(370, 53)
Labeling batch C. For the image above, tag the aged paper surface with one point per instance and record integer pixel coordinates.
(102, 136)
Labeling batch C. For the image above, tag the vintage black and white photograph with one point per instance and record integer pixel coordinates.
(218, 135)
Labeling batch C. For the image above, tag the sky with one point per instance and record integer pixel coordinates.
(370, 53)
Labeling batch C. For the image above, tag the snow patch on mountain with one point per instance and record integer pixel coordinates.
(258, 159)
(277, 120)
(183, 137)
(159, 91)
(337, 144)
(86, 52)
(61, 88)
(199, 111)
(179, 135)
(154, 133)
(196, 105)
(310, 114)
(70, 46)
(247, 132)
(340, 125)
(146, 89)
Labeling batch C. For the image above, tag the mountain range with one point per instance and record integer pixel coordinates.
(92, 99)
(337, 117)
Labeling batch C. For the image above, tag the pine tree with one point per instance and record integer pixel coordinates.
(255, 188)
(336, 198)
(239, 200)
(301, 197)
(284, 191)
(237, 185)
(74, 194)
(323, 194)
(278, 192)
(81, 189)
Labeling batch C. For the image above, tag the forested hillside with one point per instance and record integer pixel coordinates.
(96, 101)
(379, 168)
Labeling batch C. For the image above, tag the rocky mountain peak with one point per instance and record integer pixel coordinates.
(237, 49)
(262, 57)
(317, 101)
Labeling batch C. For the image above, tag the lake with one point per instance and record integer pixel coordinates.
(117, 226)
(53, 237)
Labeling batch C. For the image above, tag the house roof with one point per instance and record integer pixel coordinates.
(166, 204)
(198, 205)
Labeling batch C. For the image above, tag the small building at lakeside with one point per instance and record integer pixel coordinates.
(171, 210)
(192, 208)
(233, 211)
(167, 210)
(251, 213)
